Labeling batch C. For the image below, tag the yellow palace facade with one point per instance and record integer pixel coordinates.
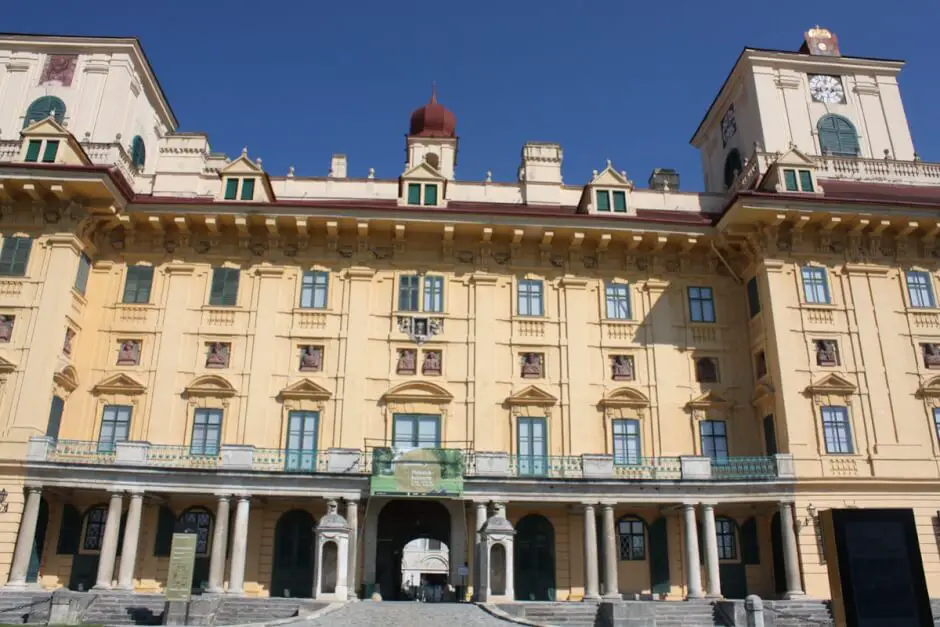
(660, 391)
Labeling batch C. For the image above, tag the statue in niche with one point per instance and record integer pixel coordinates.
(311, 358)
(706, 370)
(67, 344)
(218, 354)
(406, 361)
(827, 353)
(531, 365)
(931, 356)
(129, 353)
(622, 367)
(6, 328)
(432, 362)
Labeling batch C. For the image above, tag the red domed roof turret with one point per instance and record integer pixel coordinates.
(433, 120)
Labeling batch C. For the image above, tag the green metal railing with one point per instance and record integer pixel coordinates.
(744, 469)
(283, 460)
(649, 469)
(80, 452)
(180, 456)
(546, 466)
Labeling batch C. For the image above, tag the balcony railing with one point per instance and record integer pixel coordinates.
(10, 149)
(408, 469)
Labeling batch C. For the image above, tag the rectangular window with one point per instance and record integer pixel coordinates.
(836, 430)
(530, 297)
(603, 200)
(115, 427)
(416, 431)
(224, 287)
(714, 440)
(55, 417)
(430, 194)
(770, 435)
(137, 284)
(789, 178)
(248, 189)
(434, 294)
(626, 442)
(701, 304)
(936, 422)
(32, 150)
(81, 277)
(724, 530)
(408, 287)
(313, 290)
(620, 202)
(301, 450)
(231, 188)
(52, 147)
(919, 289)
(414, 193)
(207, 432)
(806, 181)
(618, 301)
(15, 255)
(632, 539)
(533, 452)
(753, 297)
(815, 285)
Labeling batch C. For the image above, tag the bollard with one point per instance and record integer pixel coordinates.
(754, 609)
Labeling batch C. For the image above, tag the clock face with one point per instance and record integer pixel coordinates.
(825, 88)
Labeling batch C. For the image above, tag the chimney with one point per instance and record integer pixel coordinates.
(664, 180)
(338, 167)
(540, 173)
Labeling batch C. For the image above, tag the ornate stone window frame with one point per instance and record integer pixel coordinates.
(626, 403)
(65, 382)
(416, 397)
(710, 406)
(531, 396)
(929, 393)
(119, 389)
(833, 390)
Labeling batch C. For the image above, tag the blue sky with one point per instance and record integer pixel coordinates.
(627, 81)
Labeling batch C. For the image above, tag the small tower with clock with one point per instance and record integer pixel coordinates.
(814, 100)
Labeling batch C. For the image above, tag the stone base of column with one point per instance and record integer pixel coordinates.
(714, 597)
(102, 587)
(591, 597)
(789, 596)
(17, 585)
(612, 597)
(695, 597)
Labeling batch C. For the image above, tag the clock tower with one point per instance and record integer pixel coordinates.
(814, 99)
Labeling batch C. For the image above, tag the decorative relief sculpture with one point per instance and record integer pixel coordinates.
(706, 370)
(217, 355)
(59, 70)
(67, 344)
(432, 363)
(532, 365)
(311, 358)
(827, 353)
(622, 368)
(6, 327)
(129, 353)
(406, 361)
(420, 328)
(931, 355)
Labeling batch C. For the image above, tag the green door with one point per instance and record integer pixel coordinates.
(534, 559)
(776, 550)
(659, 557)
(532, 447)
(292, 575)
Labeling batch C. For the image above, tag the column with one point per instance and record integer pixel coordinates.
(110, 542)
(711, 551)
(791, 560)
(352, 519)
(236, 579)
(25, 539)
(611, 555)
(692, 567)
(590, 554)
(131, 538)
(480, 508)
(219, 544)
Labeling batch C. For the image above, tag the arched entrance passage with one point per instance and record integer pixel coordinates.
(534, 559)
(400, 522)
(292, 575)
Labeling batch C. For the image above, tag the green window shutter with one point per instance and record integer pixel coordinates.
(52, 147)
(70, 531)
(231, 188)
(224, 287)
(414, 194)
(603, 201)
(55, 417)
(14, 256)
(42, 108)
(750, 548)
(138, 152)
(166, 523)
(248, 189)
(138, 284)
(806, 181)
(789, 179)
(620, 202)
(32, 150)
(430, 194)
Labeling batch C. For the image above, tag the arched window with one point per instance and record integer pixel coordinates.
(837, 136)
(42, 108)
(198, 521)
(138, 152)
(733, 167)
(727, 542)
(95, 519)
(630, 530)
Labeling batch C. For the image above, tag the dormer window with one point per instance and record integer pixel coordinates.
(798, 180)
(47, 148)
(239, 188)
(619, 200)
(422, 193)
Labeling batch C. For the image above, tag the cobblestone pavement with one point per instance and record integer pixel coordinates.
(408, 614)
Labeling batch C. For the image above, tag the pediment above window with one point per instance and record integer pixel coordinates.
(709, 400)
(930, 389)
(831, 384)
(608, 193)
(209, 386)
(763, 392)
(417, 392)
(119, 384)
(625, 397)
(67, 379)
(242, 165)
(68, 149)
(423, 172)
(531, 395)
(792, 172)
(610, 177)
(6, 367)
(305, 389)
(47, 128)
